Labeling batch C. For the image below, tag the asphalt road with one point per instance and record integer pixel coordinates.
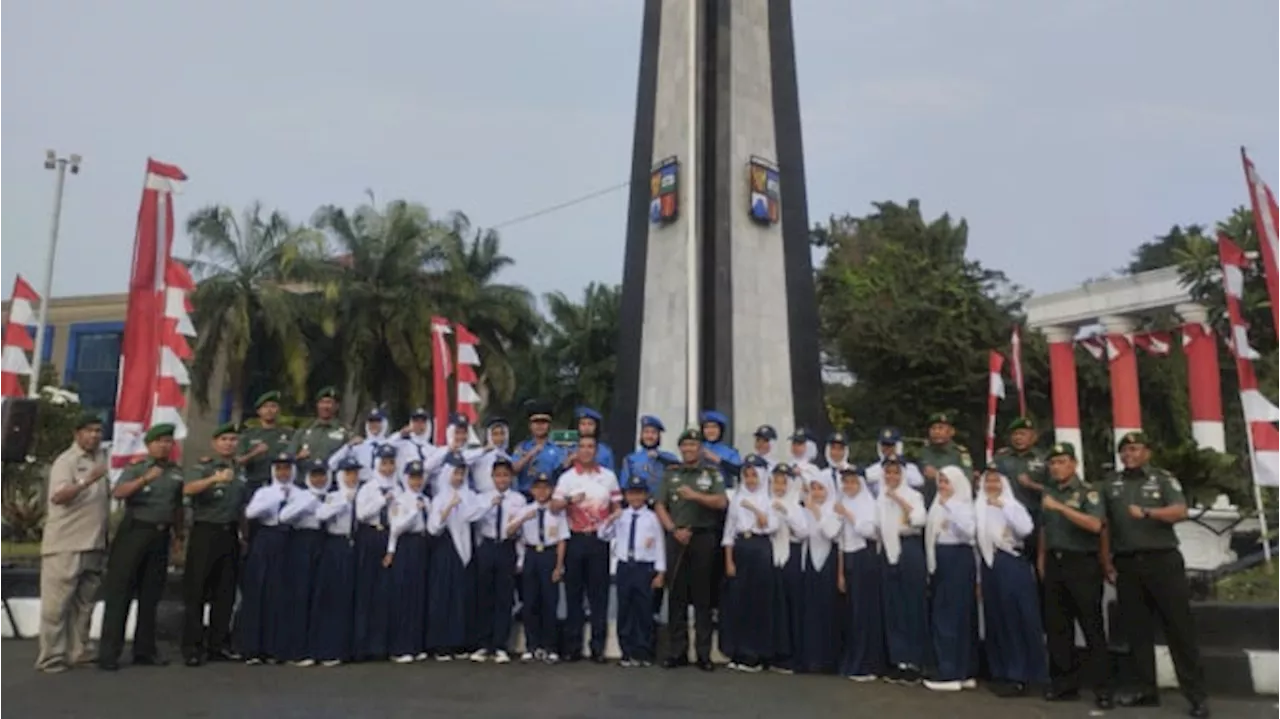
(463, 689)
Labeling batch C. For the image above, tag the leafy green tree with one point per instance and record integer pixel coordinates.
(22, 500)
(581, 347)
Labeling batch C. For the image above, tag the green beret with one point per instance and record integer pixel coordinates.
(265, 397)
(87, 419)
(1135, 437)
(1021, 423)
(327, 392)
(692, 433)
(1062, 449)
(941, 418)
(158, 431)
(225, 428)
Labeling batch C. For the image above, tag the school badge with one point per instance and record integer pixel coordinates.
(664, 195)
(765, 186)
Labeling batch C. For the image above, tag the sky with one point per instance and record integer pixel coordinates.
(1066, 133)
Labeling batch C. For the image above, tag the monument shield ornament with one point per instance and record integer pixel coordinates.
(766, 190)
(664, 192)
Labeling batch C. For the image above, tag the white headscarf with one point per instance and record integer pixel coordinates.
(993, 528)
(890, 516)
(862, 505)
(746, 519)
(961, 496)
(781, 539)
(459, 521)
(818, 543)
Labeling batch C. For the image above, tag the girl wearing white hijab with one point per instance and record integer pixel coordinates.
(333, 599)
(262, 589)
(373, 595)
(820, 635)
(747, 609)
(302, 555)
(1010, 603)
(407, 557)
(788, 550)
(859, 580)
(452, 593)
(901, 515)
(949, 535)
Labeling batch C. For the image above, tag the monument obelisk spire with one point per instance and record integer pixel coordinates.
(718, 307)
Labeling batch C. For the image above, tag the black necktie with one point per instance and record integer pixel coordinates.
(542, 517)
(631, 540)
(384, 515)
(499, 535)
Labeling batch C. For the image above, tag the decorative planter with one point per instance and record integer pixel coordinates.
(1205, 537)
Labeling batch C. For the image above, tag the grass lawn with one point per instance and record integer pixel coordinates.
(1253, 585)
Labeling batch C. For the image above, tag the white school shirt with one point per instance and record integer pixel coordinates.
(555, 529)
(439, 474)
(414, 447)
(267, 502)
(337, 512)
(865, 527)
(458, 523)
(1002, 527)
(875, 476)
(299, 510)
(366, 453)
(738, 519)
(370, 499)
(793, 525)
(513, 506)
(650, 542)
(407, 517)
(823, 532)
(893, 525)
(950, 522)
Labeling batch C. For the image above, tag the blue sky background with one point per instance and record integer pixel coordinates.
(1066, 133)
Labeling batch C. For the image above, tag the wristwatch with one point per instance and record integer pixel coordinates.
(1146, 513)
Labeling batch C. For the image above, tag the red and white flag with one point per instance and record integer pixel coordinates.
(14, 363)
(153, 378)
(1154, 343)
(1266, 217)
(442, 370)
(1095, 345)
(1260, 414)
(995, 393)
(468, 402)
(1015, 344)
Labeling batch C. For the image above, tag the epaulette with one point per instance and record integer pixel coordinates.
(206, 459)
(962, 448)
(1002, 452)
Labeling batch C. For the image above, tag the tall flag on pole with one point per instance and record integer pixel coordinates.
(995, 393)
(14, 364)
(1015, 344)
(152, 383)
(1157, 344)
(1267, 218)
(468, 361)
(442, 370)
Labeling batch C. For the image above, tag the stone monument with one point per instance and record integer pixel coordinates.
(718, 304)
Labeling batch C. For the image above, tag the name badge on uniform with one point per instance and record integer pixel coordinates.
(146, 489)
(337, 434)
(217, 493)
(553, 532)
(704, 482)
(1035, 465)
(284, 438)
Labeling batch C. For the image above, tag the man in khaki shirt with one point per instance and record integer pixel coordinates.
(73, 553)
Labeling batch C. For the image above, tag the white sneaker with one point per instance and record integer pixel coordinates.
(303, 663)
(626, 663)
(526, 657)
(732, 666)
(540, 654)
(444, 658)
(421, 657)
(252, 662)
(969, 684)
(750, 669)
(403, 659)
(951, 686)
(501, 657)
(479, 655)
(781, 670)
(461, 655)
(552, 658)
(864, 678)
(330, 662)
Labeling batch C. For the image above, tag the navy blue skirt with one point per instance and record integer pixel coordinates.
(819, 650)
(906, 619)
(863, 630)
(373, 595)
(451, 598)
(953, 617)
(262, 594)
(333, 597)
(788, 609)
(302, 553)
(1014, 635)
(409, 588)
(747, 608)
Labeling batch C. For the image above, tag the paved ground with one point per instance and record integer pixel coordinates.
(463, 689)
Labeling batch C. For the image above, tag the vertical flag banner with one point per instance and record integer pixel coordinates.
(468, 403)
(151, 384)
(1157, 344)
(1267, 218)
(995, 393)
(442, 370)
(1015, 344)
(14, 363)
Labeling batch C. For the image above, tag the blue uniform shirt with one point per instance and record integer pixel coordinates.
(730, 461)
(650, 468)
(548, 462)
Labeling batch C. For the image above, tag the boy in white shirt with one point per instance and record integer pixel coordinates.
(641, 555)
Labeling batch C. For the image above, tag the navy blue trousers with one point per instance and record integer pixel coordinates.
(586, 575)
(302, 553)
(635, 610)
(954, 630)
(788, 609)
(409, 572)
(906, 618)
(747, 607)
(495, 588)
(541, 596)
(451, 598)
(819, 649)
(373, 595)
(1014, 635)
(863, 629)
(333, 600)
(262, 594)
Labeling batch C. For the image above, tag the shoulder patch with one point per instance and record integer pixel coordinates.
(206, 459)
(1092, 496)
(1003, 452)
(1173, 482)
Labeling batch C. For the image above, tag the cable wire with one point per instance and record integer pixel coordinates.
(561, 206)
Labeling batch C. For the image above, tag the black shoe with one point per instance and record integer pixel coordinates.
(224, 655)
(1141, 699)
(1104, 702)
(706, 665)
(1200, 709)
(1061, 695)
(1008, 690)
(571, 658)
(597, 658)
(193, 661)
(109, 665)
(675, 662)
(154, 660)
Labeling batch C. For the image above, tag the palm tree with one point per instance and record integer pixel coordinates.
(242, 297)
(581, 347)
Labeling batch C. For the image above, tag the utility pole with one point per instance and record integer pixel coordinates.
(60, 165)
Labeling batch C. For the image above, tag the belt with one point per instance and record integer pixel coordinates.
(748, 535)
(1138, 553)
(1071, 553)
(156, 526)
(593, 535)
(232, 526)
(539, 547)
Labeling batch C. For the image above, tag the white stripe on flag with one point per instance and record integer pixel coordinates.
(1233, 280)
(171, 366)
(467, 355)
(15, 360)
(1257, 408)
(20, 312)
(467, 394)
(1266, 469)
(997, 385)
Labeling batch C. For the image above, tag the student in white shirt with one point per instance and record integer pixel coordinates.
(373, 579)
(543, 536)
(890, 447)
(901, 515)
(640, 550)
(819, 649)
(301, 554)
(262, 589)
(862, 658)
(497, 531)
(788, 553)
(452, 592)
(949, 535)
(747, 609)
(407, 557)
(365, 449)
(333, 598)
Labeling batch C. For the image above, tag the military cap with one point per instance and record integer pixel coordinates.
(766, 432)
(376, 415)
(1021, 423)
(693, 433)
(503, 461)
(1061, 449)
(850, 472)
(588, 413)
(755, 460)
(327, 393)
(802, 435)
(414, 469)
(348, 464)
(386, 451)
(419, 413)
(282, 458)
(158, 431)
(1135, 437)
(87, 419)
(225, 428)
(495, 421)
(890, 435)
(458, 419)
(265, 397)
(636, 483)
(539, 411)
(838, 438)
(941, 418)
(453, 459)
(650, 421)
(542, 478)
(783, 468)
(317, 466)
(894, 460)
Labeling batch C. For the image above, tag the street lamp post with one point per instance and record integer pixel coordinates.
(60, 165)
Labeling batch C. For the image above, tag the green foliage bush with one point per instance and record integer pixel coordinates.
(22, 496)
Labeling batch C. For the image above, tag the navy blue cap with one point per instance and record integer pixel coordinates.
(282, 458)
(712, 415)
(419, 413)
(802, 435)
(453, 459)
(838, 438)
(376, 415)
(387, 451)
(538, 411)
(588, 413)
(892, 460)
(503, 461)
(458, 419)
(890, 435)
(414, 469)
(348, 463)
(850, 472)
(766, 432)
(650, 421)
(783, 468)
(542, 478)
(317, 466)
(495, 421)
(755, 460)
(636, 483)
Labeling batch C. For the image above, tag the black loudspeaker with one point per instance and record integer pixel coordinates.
(19, 429)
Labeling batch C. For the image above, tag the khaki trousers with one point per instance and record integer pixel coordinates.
(68, 583)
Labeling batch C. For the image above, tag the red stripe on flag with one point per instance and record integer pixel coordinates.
(16, 335)
(11, 385)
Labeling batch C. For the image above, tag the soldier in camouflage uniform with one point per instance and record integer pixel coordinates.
(1024, 464)
(259, 443)
(325, 434)
(941, 451)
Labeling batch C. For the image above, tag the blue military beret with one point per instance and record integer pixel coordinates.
(890, 435)
(414, 469)
(766, 432)
(386, 451)
(712, 415)
(650, 421)
(588, 413)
